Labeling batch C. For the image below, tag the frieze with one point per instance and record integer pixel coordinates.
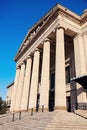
(47, 19)
(72, 18)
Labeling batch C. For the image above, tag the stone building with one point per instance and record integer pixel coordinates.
(9, 94)
(52, 53)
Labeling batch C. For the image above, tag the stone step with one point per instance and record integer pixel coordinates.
(82, 113)
(57, 120)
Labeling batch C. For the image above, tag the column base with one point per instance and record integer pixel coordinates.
(30, 109)
(39, 110)
(60, 108)
(17, 111)
(23, 110)
(12, 111)
(45, 109)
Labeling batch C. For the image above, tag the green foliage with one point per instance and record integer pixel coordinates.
(3, 106)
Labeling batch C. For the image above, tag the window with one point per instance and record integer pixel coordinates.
(67, 74)
(9, 101)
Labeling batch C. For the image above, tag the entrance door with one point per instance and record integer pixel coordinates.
(51, 100)
(38, 102)
(68, 100)
(52, 92)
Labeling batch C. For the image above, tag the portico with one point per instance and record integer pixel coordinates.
(46, 61)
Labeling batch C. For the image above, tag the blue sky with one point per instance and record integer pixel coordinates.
(16, 18)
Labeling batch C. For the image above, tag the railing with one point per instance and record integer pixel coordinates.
(80, 106)
(11, 117)
(36, 109)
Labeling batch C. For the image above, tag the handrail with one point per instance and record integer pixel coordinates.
(20, 115)
(42, 108)
(80, 106)
(32, 110)
(11, 117)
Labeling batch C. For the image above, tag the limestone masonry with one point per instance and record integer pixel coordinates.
(53, 52)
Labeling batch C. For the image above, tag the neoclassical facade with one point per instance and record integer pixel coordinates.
(53, 52)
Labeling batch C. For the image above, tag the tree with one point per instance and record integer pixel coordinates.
(3, 106)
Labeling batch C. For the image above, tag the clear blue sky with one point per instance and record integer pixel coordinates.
(16, 17)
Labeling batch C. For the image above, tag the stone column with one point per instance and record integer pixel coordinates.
(79, 64)
(45, 78)
(60, 90)
(34, 80)
(85, 47)
(85, 51)
(20, 88)
(26, 89)
(14, 91)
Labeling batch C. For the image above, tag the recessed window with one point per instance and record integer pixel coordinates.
(9, 101)
(67, 70)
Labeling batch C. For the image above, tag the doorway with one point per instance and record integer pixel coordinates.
(38, 102)
(52, 92)
(68, 101)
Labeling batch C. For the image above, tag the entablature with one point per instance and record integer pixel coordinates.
(39, 28)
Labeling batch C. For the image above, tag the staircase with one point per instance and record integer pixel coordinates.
(57, 120)
(82, 113)
(67, 121)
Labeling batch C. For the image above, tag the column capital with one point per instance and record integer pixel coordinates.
(59, 27)
(77, 35)
(84, 33)
(23, 62)
(46, 40)
(36, 49)
(29, 57)
(18, 67)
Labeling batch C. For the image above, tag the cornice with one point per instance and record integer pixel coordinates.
(31, 38)
(83, 20)
(10, 85)
(69, 16)
(34, 32)
(69, 12)
(35, 29)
